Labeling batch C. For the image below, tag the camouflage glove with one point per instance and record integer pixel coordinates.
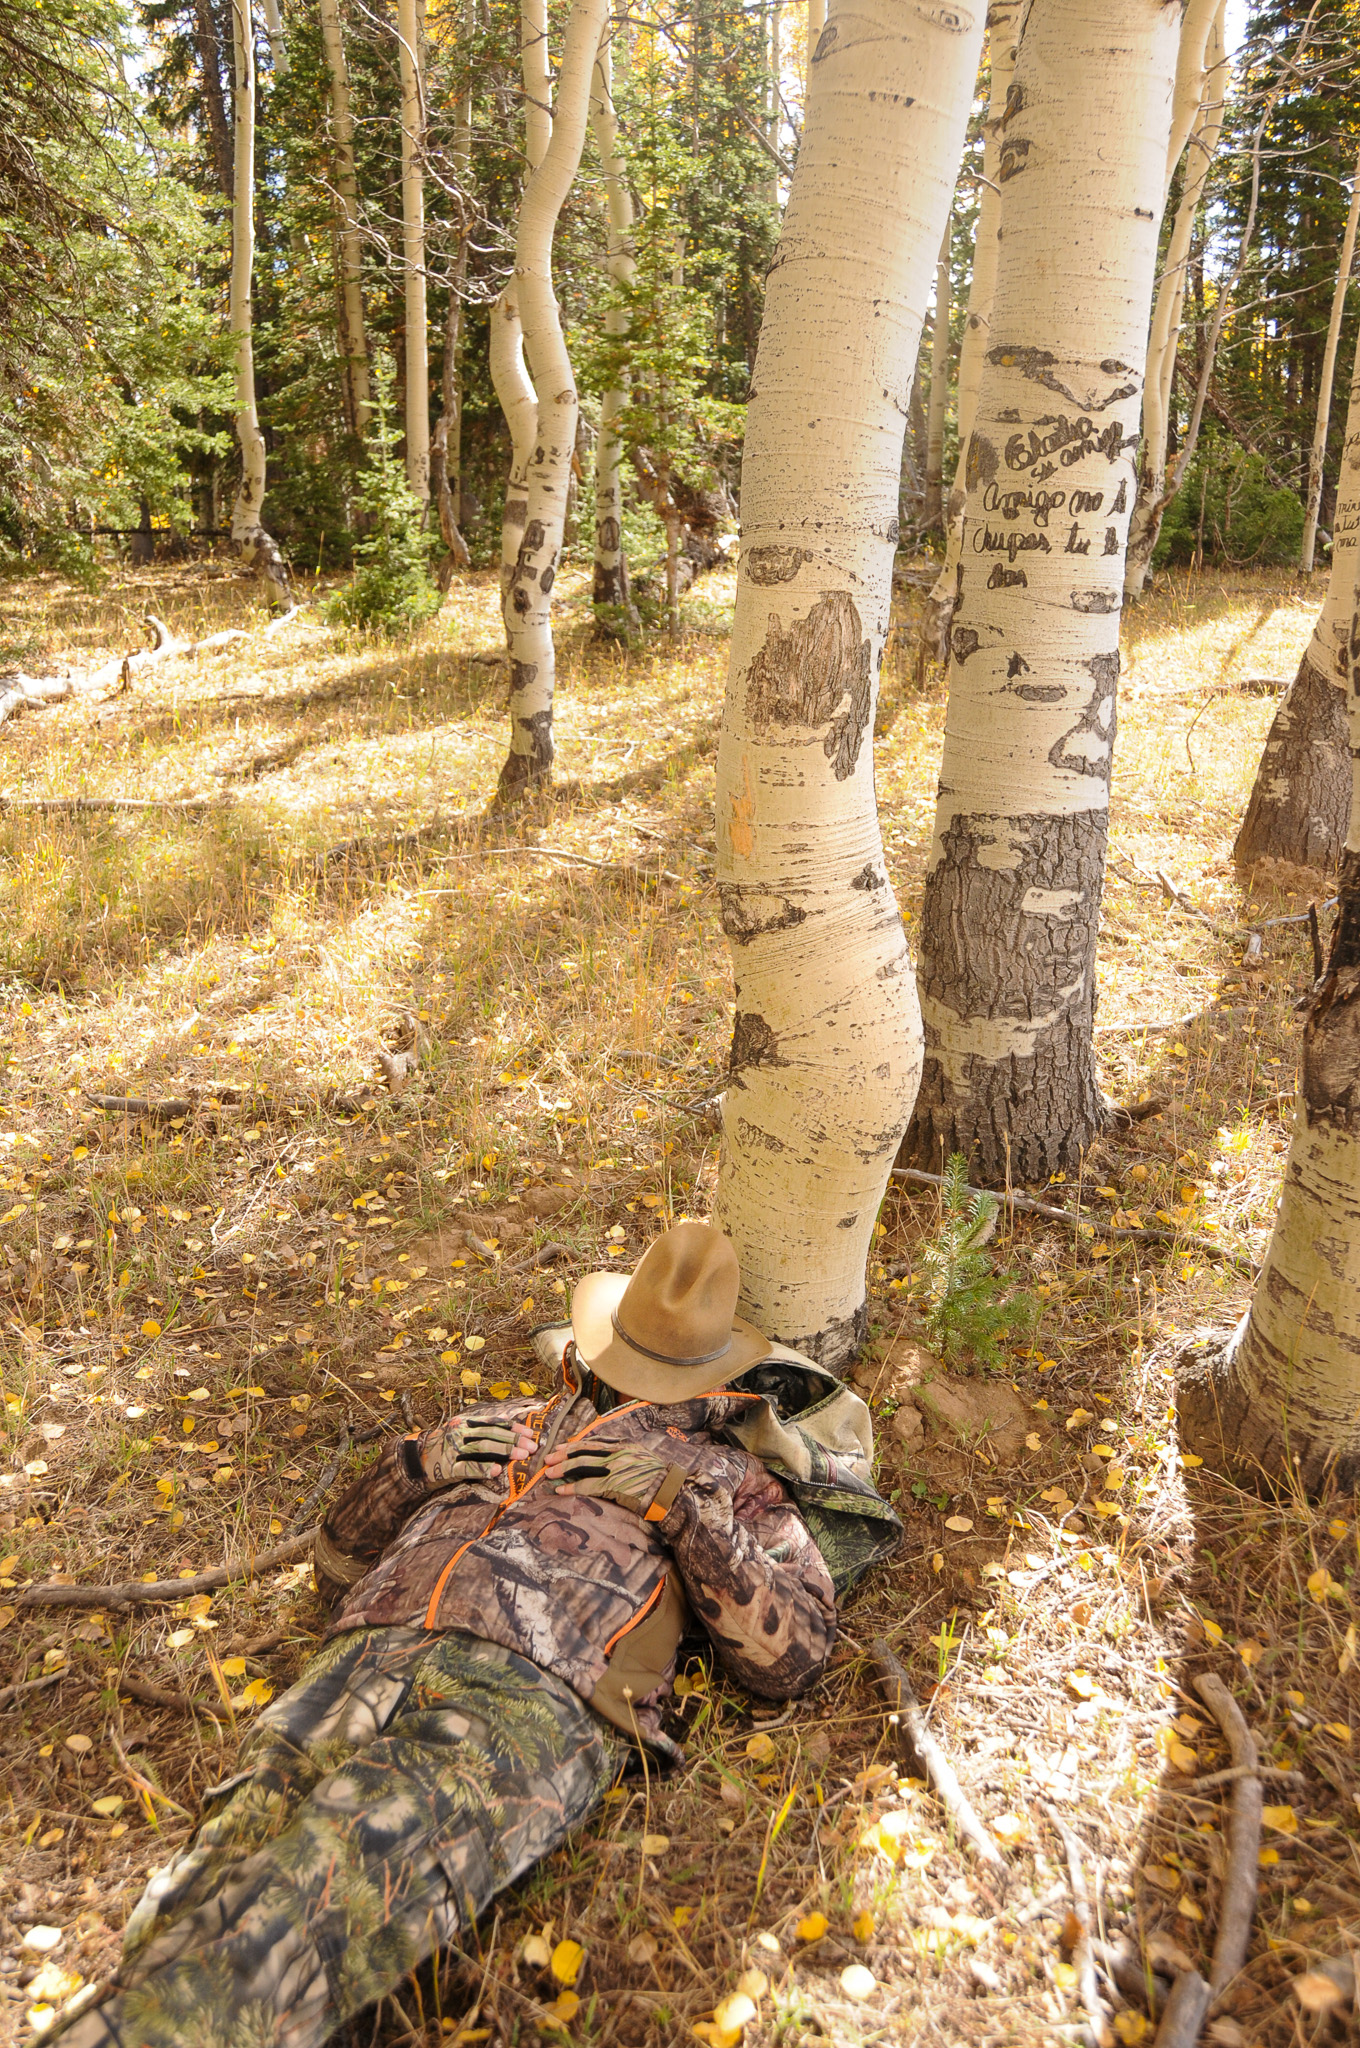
(469, 1448)
(633, 1476)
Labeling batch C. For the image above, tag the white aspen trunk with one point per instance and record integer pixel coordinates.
(1318, 454)
(611, 567)
(1283, 1397)
(446, 447)
(353, 339)
(826, 1040)
(1192, 62)
(773, 117)
(1012, 898)
(410, 37)
(1003, 28)
(1164, 338)
(255, 546)
(510, 376)
(278, 37)
(528, 609)
(1300, 805)
(932, 511)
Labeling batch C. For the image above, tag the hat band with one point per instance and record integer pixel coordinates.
(664, 1357)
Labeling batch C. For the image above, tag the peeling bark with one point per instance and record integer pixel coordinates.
(826, 1044)
(1012, 898)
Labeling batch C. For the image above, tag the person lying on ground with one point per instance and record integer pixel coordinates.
(510, 1591)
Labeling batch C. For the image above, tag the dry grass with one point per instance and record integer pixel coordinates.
(193, 1308)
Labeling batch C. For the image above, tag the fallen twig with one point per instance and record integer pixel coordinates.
(924, 1753)
(1238, 1907)
(329, 1475)
(10, 1693)
(1198, 1785)
(1083, 1960)
(23, 693)
(163, 1696)
(546, 1255)
(142, 1593)
(1146, 1234)
(163, 1112)
(1191, 1997)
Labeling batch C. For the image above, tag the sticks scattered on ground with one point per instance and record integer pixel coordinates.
(1147, 1234)
(1237, 1909)
(150, 1695)
(1083, 1959)
(142, 1593)
(10, 1693)
(329, 1475)
(924, 1753)
(26, 693)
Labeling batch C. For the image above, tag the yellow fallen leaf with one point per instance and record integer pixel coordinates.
(1250, 1651)
(566, 1961)
(1034, 1442)
(857, 1982)
(1081, 1683)
(760, 1748)
(469, 1378)
(812, 1927)
(1079, 1417)
(564, 2007)
(1130, 2027)
(1283, 1819)
(257, 1694)
(1267, 1858)
(536, 1952)
(151, 1328)
(1336, 1528)
(179, 1637)
(1182, 1756)
(1187, 1908)
(1189, 1460)
(754, 1983)
(1064, 1976)
(448, 1358)
(1320, 1584)
(109, 1807)
(7, 1615)
(1162, 1877)
(655, 1845)
(732, 2013)
(500, 1390)
(1212, 1630)
(961, 1523)
(1338, 1730)
(474, 1343)
(681, 1916)
(526, 1389)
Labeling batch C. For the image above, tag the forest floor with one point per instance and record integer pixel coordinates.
(199, 1290)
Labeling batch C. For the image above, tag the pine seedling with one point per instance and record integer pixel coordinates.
(971, 1306)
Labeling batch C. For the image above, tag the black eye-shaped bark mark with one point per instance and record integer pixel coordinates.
(963, 641)
(868, 878)
(1015, 150)
(754, 1044)
(522, 674)
(609, 535)
(1015, 100)
(1037, 364)
(1095, 600)
(516, 511)
(774, 564)
(826, 42)
(1098, 719)
(749, 913)
(816, 674)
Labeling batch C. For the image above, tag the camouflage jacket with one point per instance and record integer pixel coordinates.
(581, 1586)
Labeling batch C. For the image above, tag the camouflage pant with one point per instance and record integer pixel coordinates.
(380, 1804)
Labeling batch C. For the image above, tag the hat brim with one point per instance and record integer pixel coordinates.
(613, 1359)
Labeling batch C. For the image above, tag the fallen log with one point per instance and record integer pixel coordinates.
(149, 1592)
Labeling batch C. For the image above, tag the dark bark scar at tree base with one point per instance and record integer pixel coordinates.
(982, 954)
(1217, 1419)
(1300, 801)
(819, 673)
(1330, 1080)
(838, 1344)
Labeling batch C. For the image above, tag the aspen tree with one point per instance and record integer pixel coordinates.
(255, 546)
(353, 341)
(1003, 28)
(446, 446)
(528, 604)
(509, 372)
(410, 37)
(1211, 74)
(826, 1039)
(1012, 897)
(1318, 454)
(932, 511)
(1299, 808)
(1283, 1395)
(611, 566)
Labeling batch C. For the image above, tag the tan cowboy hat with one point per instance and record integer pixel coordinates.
(669, 1330)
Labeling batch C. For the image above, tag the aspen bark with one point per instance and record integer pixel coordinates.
(510, 376)
(772, 122)
(1300, 804)
(1003, 29)
(410, 37)
(1012, 897)
(255, 546)
(278, 39)
(528, 606)
(932, 511)
(826, 1040)
(611, 567)
(353, 339)
(816, 22)
(1164, 339)
(1283, 1396)
(446, 448)
(1318, 455)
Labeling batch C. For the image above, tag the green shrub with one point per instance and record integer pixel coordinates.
(1228, 505)
(391, 590)
(970, 1307)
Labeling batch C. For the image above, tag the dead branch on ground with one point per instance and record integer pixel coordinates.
(923, 1752)
(143, 1593)
(1083, 1958)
